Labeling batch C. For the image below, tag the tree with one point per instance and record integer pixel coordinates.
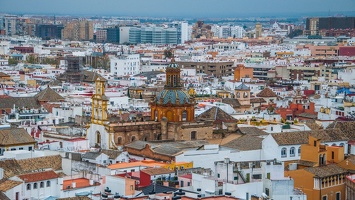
(295, 33)
(168, 53)
(31, 59)
(13, 61)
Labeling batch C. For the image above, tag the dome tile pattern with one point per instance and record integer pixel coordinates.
(173, 97)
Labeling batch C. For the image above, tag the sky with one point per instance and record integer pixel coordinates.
(180, 8)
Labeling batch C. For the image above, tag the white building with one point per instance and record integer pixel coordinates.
(125, 65)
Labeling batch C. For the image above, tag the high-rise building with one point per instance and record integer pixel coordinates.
(314, 25)
(201, 30)
(153, 35)
(101, 35)
(10, 25)
(113, 34)
(237, 31)
(79, 30)
(49, 31)
(258, 30)
(182, 31)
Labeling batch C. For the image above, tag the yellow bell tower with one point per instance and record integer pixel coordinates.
(99, 103)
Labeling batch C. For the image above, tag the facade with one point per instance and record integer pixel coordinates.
(314, 25)
(153, 35)
(125, 65)
(79, 30)
(74, 69)
(182, 31)
(242, 72)
(216, 69)
(101, 35)
(258, 30)
(113, 35)
(173, 103)
(15, 139)
(350, 187)
(49, 31)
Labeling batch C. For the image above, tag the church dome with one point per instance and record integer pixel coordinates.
(173, 65)
(173, 97)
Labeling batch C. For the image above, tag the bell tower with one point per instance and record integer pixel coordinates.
(99, 103)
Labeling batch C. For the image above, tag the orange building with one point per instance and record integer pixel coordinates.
(317, 173)
(173, 103)
(242, 72)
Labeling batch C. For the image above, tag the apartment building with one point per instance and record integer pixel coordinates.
(79, 30)
(216, 69)
(125, 65)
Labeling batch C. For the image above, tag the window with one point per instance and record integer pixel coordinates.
(30, 148)
(28, 186)
(193, 135)
(48, 183)
(218, 175)
(41, 185)
(184, 115)
(337, 196)
(13, 149)
(292, 151)
(332, 155)
(131, 187)
(299, 151)
(283, 152)
(35, 186)
(21, 148)
(325, 198)
(341, 144)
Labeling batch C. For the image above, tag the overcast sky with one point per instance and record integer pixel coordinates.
(179, 8)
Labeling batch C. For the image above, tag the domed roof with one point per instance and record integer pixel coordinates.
(173, 97)
(173, 64)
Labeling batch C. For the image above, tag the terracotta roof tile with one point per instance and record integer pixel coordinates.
(157, 171)
(38, 176)
(301, 137)
(8, 184)
(251, 131)
(245, 143)
(267, 92)
(325, 171)
(14, 136)
(233, 102)
(48, 95)
(216, 114)
(29, 102)
(347, 127)
(257, 100)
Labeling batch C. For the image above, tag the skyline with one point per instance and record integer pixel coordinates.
(182, 8)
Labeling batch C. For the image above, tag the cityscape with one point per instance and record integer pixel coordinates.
(165, 100)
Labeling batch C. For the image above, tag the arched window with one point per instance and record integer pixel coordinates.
(35, 186)
(98, 137)
(119, 140)
(238, 95)
(28, 186)
(299, 151)
(283, 152)
(48, 183)
(334, 144)
(184, 115)
(41, 185)
(133, 138)
(292, 152)
(245, 95)
(155, 115)
(341, 144)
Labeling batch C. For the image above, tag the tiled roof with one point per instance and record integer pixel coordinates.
(312, 124)
(257, 100)
(8, 184)
(48, 95)
(14, 136)
(242, 87)
(21, 102)
(301, 137)
(267, 92)
(2, 74)
(172, 96)
(245, 143)
(14, 167)
(251, 131)
(307, 115)
(233, 102)
(3, 196)
(216, 114)
(112, 154)
(347, 127)
(306, 163)
(167, 148)
(157, 171)
(38, 176)
(91, 155)
(325, 171)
